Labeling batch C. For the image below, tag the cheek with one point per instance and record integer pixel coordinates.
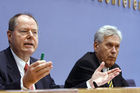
(20, 40)
(17, 40)
(104, 53)
(17, 43)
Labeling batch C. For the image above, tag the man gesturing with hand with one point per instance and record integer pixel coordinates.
(106, 48)
(18, 70)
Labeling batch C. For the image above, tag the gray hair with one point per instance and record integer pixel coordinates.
(106, 30)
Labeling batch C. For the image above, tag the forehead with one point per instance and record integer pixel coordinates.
(111, 39)
(25, 20)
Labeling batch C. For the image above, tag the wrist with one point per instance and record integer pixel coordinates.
(91, 83)
(26, 84)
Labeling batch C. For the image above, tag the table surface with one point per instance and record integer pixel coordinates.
(97, 90)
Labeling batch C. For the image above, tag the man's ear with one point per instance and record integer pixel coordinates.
(9, 35)
(96, 45)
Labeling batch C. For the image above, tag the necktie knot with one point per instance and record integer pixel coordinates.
(26, 67)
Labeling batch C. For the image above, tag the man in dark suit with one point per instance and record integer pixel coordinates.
(106, 46)
(18, 70)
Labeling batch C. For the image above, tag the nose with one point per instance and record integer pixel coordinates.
(30, 33)
(113, 50)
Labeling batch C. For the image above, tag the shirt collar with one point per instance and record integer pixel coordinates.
(105, 69)
(20, 63)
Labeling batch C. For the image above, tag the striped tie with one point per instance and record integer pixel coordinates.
(110, 84)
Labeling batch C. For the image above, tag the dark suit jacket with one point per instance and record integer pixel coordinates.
(83, 70)
(10, 75)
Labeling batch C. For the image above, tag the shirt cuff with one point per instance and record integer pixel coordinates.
(21, 84)
(88, 85)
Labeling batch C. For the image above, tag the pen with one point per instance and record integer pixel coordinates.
(42, 56)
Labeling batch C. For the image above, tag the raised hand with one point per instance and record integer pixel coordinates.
(35, 72)
(103, 77)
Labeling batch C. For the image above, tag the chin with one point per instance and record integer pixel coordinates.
(30, 52)
(109, 64)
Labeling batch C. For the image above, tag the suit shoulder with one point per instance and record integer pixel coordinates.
(87, 56)
(3, 61)
(2, 56)
(2, 53)
(88, 60)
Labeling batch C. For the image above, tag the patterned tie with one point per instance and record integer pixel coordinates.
(110, 84)
(25, 69)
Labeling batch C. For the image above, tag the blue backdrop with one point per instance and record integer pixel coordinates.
(67, 29)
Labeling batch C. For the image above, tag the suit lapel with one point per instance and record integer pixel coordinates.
(12, 70)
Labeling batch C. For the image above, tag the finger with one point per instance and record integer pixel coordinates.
(42, 66)
(45, 70)
(113, 74)
(101, 66)
(114, 70)
(43, 75)
(37, 63)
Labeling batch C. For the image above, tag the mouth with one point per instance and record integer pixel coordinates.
(28, 44)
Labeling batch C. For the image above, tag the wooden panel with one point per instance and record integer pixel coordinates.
(97, 90)
(43, 91)
(110, 90)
